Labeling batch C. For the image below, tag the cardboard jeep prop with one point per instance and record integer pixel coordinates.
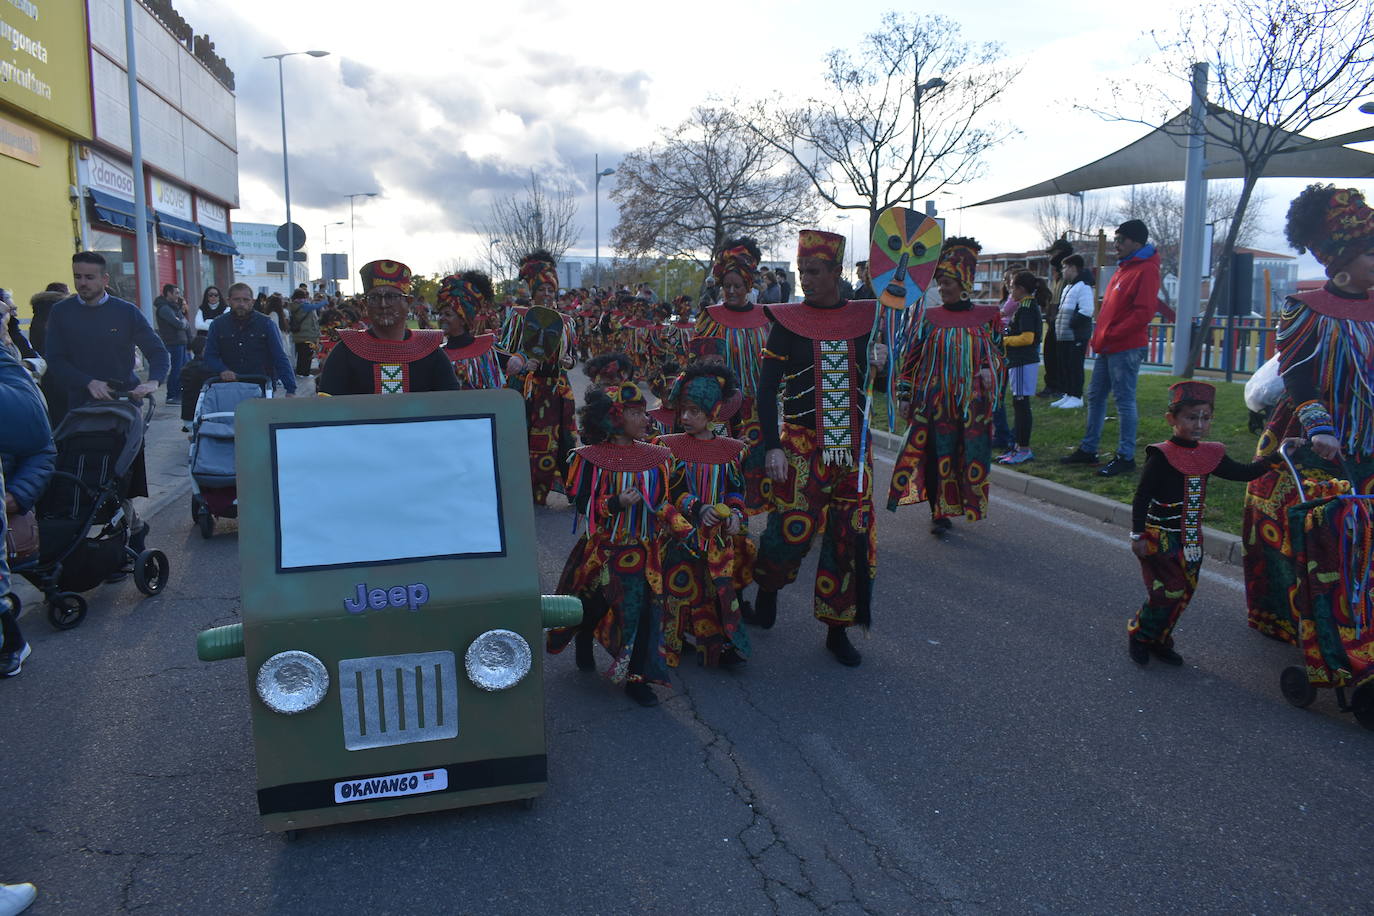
(392, 619)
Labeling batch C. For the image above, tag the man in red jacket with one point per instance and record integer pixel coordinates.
(1119, 344)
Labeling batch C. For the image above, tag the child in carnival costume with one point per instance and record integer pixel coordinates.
(477, 361)
(707, 486)
(1166, 516)
(742, 327)
(619, 485)
(946, 387)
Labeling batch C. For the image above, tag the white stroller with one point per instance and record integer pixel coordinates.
(214, 487)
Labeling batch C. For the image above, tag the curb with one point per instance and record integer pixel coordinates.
(1218, 545)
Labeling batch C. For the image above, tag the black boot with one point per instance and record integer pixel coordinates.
(837, 641)
(940, 527)
(14, 649)
(582, 645)
(641, 693)
(746, 610)
(764, 613)
(1140, 652)
(1166, 654)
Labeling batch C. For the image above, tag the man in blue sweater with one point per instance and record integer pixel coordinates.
(91, 339)
(245, 342)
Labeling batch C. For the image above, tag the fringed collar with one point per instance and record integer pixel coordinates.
(416, 345)
(475, 347)
(847, 321)
(716, 450)
(1192, 459)
(1335, 304)
(738, 319)
(637, 456)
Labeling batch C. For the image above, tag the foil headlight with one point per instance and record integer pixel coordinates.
(498, 659)
(292, 682)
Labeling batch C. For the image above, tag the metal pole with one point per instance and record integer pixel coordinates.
(596, 195)
(286, 181)
(142, 259)
(1194, 207)
(353, 248)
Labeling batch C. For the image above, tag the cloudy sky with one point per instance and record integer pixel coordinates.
(441, 111)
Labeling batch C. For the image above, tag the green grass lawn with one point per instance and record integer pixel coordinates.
(1056, 433)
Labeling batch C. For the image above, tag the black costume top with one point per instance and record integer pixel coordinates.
(413, 364)
(1160, 493)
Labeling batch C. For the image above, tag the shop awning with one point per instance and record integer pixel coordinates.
(178, 231)
(217, 242)
(113, 211)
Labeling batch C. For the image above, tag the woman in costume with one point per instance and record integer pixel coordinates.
(743, 326)
(1326, 356)
(947, 386)
(620, 486)
(476, 360)
(541, 342)
(707, 486)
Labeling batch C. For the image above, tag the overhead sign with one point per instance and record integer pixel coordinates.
(211, 215)
(111, 177)
(171, 199)
(18, 142)
(45, 64)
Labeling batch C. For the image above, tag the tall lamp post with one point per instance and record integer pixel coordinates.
(332, 283)
(916, 93)
(596, 195)
(285, 166)
(353, 241)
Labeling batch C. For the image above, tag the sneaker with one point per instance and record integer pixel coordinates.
(1020, 456)
(1068, 403)
(173, 400)
(15, 898)
(1166, 654)
(1078, 456)
(1060, 401)
(11, 663)
(1117, 466)
(837, 641)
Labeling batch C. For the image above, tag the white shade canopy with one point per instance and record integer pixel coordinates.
(1160, 154)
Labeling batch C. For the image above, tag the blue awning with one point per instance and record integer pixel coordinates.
(178, 231)
(217, 242)
(113, 211)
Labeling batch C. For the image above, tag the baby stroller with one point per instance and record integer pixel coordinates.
(214, 490)
(87, 529)
(1332, 533)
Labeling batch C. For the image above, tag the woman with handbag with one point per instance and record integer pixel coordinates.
(1073, 327)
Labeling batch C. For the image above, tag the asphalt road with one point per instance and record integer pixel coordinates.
(996, 752)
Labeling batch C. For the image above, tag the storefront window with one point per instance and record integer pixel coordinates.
(118, 251)
(214, 270)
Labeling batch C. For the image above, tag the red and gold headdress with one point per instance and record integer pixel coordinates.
(958, 257)
(385, 273)
(1196, 392)
(1349, 227)
(740, 255)
(462, 294)
(538, 267)
(827, 246)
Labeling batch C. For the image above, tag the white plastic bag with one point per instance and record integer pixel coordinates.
(1265, 387)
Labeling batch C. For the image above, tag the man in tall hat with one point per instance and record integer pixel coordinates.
(742, 328)
(542, 340)
(388, 357)
(817, 356)
(477, 361)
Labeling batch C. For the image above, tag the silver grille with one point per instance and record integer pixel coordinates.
(398, 699)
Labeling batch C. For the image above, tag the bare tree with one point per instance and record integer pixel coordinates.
(904, 120)
(1069, 216)
(1277, 67)
(538, 217)
(704, 181)
(1160, 207)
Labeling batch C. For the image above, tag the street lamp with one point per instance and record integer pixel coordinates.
(596, 197)
(491, 254)
(919, 90)
(353, 240)
(285, 168)
(329, 281)
(1367, 108)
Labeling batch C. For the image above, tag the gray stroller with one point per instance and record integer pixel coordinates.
(214, 486)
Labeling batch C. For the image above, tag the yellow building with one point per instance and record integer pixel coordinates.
(45, 106)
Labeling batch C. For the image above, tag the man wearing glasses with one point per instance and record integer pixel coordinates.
(244, 341)
(388, 357)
